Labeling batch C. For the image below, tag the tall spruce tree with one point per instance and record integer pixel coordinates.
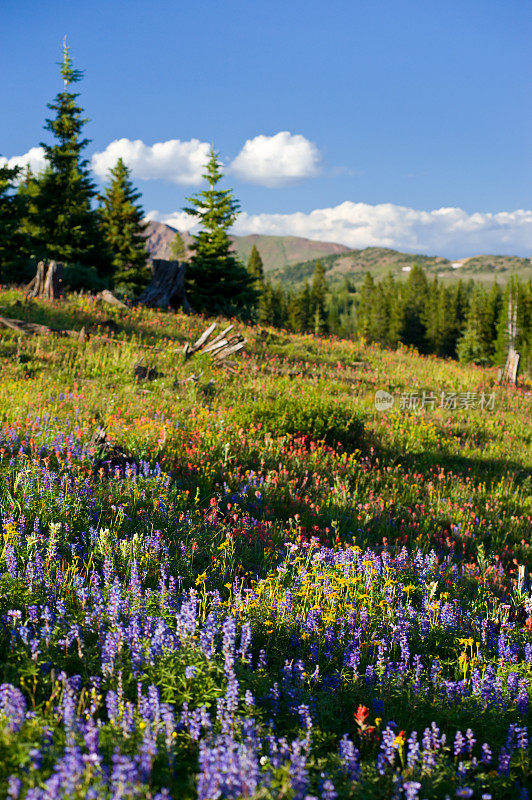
(476, 343)
(415, 293)
(177, 247)
(300, 316)
(63, 222)
(13, 257)
(124, 232)
(256, 267)
(218, 283)
(318, 299)
(28, 190)
(365, 300)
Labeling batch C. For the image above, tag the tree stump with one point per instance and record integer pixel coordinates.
(47, 283)
(167, 287)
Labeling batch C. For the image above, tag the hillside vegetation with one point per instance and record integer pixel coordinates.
(253, 584)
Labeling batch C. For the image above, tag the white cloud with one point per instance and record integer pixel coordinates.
(451, 232)
(34, 158)
(276, 160)
(178, 220)
(173, 160)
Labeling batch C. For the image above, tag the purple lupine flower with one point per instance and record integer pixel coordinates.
(522, 737)
(245, 640)
(207, 634)
(227, 769)
(298, 769)
(522, 702)
(459, 744)
(471, 741)
(328, 792)
(11, 560)
(411, 789)
(262, 660)
(12, 706)
(228, 642)
(412, 755)
(124, 775)
(387, 745)
(350, 758)
(231, 693)
(504, 762)
(14, 786)
(486, 754)
(249, 700)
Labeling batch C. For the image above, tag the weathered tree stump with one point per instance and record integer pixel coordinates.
(47, 283)
(142, 372)
(109, 458)
(167, 287)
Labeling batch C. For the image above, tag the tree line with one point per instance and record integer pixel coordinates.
(463, 320)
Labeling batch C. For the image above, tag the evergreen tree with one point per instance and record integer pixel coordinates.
(476, 343)
(256, 267)
(12, 239)
(415, 294)
(63, 222)
(267, 310)
(394, 311)
(124, 232)
(218, 283)
(432, 318)
(494, 309)
(300, 317)
(379, 315)
(177, 247)
(341, 305)
(28, 190)
(366, 299)
(318, 297)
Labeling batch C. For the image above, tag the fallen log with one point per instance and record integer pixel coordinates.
(219, 347)
(15, 325)
(29, 328)
(108, 297)
(220, 355)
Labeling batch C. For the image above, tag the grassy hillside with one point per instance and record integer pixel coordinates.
(262, 587)
(490, 268)
(377, 260)
(380, 261)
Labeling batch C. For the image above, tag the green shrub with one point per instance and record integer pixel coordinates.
(320, 418)
(78, 276)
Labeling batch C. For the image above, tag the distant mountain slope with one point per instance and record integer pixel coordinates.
(159, 238)
(291, 259)
(275, 250)
(279, 251)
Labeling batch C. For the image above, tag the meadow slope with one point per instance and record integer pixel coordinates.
(268, 589)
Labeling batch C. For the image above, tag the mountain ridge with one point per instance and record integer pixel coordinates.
(291, 259)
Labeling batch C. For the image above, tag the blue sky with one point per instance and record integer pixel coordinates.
(363, 120)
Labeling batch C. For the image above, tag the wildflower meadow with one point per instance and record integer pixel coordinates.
(278, 591)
